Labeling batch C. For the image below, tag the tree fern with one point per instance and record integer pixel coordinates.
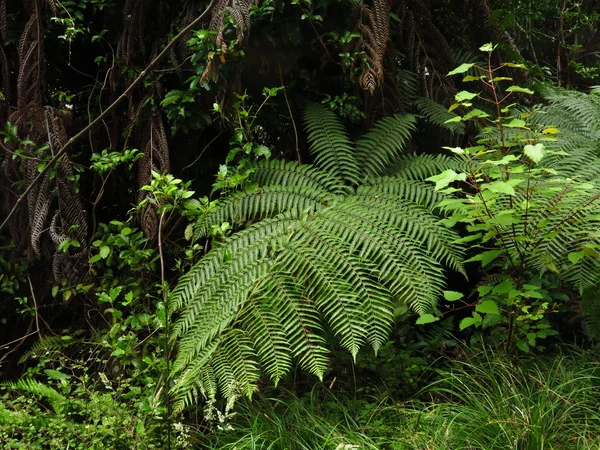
(378, 148)
(330, 144)
(438, 114)
(323, 254)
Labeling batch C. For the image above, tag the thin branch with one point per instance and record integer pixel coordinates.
(108, 110)
(35, 306)
(167, 330)
(287, 102)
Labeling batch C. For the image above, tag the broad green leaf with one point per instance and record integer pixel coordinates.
(515, 65)
(502, 162)
(475, 113)
(461, 69)
(465, 95)
(499, 187)
(472, 78)
(104, 252)
(551, 130)
(452, 296)
(486, 257)
(520, 89)
(489, 47)
(457, 150)
(189, 231)
(522, 345)
(470, 321)
(469, 238)
(426, 318)
(504, 287)
(515, 123)
(535, 152)
(484, 290)
(487, 307)
(453, 119)
(445, 178)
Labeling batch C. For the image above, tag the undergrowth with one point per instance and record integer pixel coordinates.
(486, 401)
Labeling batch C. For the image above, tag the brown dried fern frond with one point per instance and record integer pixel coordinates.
(482, 10)
(132, 42)
(6, 86)
(3, 19)
(30, 80)
(427, 52)
(239, 10)
(156, 159)
(373, 25)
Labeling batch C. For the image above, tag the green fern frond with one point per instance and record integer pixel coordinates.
(590, 304)
(412, 191)
(267, 201)
(278, 172)
(382, 145)
(48, 345)
(585, 108)
(329, 143)
(420, 167)
(235, 366)
(438, 115)
(56, 400)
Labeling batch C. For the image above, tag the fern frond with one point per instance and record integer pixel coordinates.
(412, 191)
(330, 144)
(278, 172)
(266, 202)
(47, 346)
(378, 148)
(56, 400)
(420, 167)
(438, 115)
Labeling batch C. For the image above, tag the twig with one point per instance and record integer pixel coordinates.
(167, 331)
(287, 102)
(37, 320)
(101, 117)
(203, 150)
(19, 340)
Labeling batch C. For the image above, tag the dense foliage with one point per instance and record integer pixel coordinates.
(335, 208)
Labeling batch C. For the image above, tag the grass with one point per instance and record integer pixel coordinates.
(487, 402)
(494, 403)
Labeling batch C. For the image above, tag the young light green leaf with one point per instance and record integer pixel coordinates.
(457, 150)
(487, 307)
(470, 321)
(516, 66)
(535, 152)
(452, 296)
(489, 47)
(104, 251)
(426, 318)
(520, 89)
(465, 95)
(575, 257)
(475, 113)
(445, 178)
(486, 257)
(461, 69)
(515, 123)
(499, 187)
